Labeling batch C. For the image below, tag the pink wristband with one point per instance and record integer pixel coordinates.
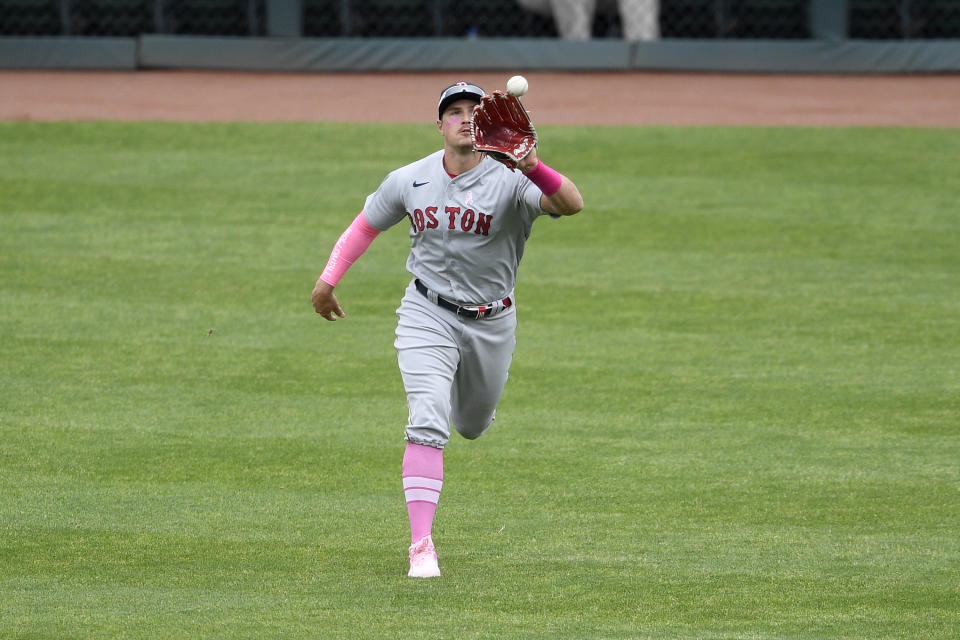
(351, 245)
(546, 178)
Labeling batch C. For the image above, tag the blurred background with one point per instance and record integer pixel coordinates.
(716, 19)
(809, 36)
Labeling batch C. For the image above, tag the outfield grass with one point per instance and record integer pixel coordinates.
(733, 410)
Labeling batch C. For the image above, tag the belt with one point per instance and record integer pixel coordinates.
(473, 312)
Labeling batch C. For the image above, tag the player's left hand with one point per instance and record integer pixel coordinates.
(325, 303)
(528, 162)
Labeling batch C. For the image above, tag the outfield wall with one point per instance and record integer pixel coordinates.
(440, 54)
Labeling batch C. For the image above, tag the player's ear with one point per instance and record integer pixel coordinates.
(440, 126)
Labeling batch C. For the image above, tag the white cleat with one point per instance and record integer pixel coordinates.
(423, 559)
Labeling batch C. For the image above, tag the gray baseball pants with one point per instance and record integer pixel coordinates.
(454, 369)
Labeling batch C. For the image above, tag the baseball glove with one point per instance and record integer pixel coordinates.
(501, 128)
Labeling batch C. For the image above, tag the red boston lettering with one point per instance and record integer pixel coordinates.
(466, 220)
(452, 212)
(483, 224)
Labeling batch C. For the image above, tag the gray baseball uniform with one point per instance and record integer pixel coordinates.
(467, 236)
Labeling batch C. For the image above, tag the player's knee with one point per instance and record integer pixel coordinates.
(473, 429)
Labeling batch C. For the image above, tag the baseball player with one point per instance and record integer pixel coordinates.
(471, 207)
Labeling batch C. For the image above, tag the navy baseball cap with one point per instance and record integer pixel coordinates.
(458, 91)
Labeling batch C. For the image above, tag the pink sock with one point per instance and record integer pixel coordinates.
(422, 479)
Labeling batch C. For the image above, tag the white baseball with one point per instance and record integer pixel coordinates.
(517, 86)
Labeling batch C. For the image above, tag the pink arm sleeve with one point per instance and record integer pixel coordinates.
(546, 178)
(351, 245)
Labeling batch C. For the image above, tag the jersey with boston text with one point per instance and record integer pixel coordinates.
(467, 234)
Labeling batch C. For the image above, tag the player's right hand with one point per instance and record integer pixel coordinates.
(325, 303)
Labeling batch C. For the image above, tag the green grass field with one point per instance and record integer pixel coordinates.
(734, 410)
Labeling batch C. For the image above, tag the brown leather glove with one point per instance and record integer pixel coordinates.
(501, 128)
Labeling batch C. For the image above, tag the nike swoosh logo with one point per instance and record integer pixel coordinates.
(420, 184)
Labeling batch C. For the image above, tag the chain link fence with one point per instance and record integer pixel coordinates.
(896, 19)
(634, 19)
(130, 18)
